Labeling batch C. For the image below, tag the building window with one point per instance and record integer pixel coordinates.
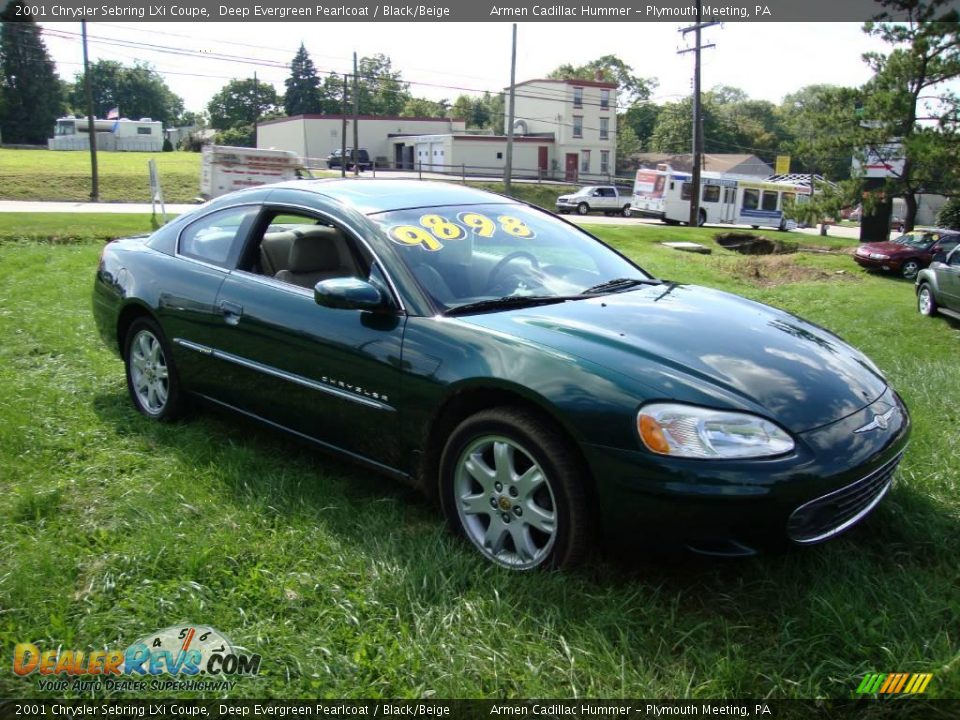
(500, 156)
(144, 131)
(578, 126)
(605, 99)
(585, 161)
(604, 128)
(578, 97)
(604, 161)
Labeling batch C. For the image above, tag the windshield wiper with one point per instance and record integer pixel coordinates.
(509, 302)
(620, 284)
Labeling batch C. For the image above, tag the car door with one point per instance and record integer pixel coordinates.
(330, 374)
(948, 278)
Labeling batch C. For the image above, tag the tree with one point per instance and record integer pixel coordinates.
(907, 112)
(303, 86)
(641, 118)
(381, 90)
(816, 120)
(421, 107)
(241, 102)
(627, 142)
(138, 91)
(30, 93)
(630, 88)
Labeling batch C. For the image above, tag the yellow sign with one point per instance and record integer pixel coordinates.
(783, 164)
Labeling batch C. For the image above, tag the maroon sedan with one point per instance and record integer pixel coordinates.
(907, 254)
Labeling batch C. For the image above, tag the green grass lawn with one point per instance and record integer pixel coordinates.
(113, 526)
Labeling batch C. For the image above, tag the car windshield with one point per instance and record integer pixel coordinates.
(467, 255)
(916, 240)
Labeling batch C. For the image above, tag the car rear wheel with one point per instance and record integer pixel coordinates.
(926, 303)
(910, 269)
(625, 211)
(510, 486)
(583, 209)
(152, 378)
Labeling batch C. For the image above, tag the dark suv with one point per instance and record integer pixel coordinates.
(361, 157)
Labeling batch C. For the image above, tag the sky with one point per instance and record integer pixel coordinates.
(443, 60)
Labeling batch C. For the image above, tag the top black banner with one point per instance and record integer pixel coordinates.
(464, 11)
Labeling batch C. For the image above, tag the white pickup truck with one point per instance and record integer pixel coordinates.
(605, 198)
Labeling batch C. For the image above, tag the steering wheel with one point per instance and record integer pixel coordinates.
(493, 279)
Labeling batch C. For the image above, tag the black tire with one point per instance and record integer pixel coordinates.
(701, 219)
(783, 225)
(583, 209)
(144, 336)
(668, 221)
(909, 269)
(625, 211)
(561, 494)
(926, 301)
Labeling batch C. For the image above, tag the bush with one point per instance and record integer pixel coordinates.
(239, 136)
(949, 215)
(167, 145)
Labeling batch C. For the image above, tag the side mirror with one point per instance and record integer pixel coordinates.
(349, 294)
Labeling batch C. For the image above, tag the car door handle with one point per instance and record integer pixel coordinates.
(231, 312)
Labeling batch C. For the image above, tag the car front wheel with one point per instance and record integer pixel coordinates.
(510, 485)
(625, 211)
(152, 378)
(926, 303)
(910, 269)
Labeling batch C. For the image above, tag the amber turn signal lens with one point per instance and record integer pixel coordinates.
(652, 435)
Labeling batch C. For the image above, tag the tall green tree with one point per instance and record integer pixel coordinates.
(241, 102)
(30, 93)
(381, 89)
(137, 91)
(817, 120)
(421, 107)
(303, 86)
(631, 88)
(908, 99)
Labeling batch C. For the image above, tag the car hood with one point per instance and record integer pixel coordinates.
(705, 346)
(887, 248)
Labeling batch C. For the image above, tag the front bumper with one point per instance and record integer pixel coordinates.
(890, 264)
(833, 479)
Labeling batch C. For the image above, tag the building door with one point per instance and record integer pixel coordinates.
(571, 167)
(542, 158)
(398, 156)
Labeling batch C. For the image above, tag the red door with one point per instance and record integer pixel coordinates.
(542, 158)
(571, 167)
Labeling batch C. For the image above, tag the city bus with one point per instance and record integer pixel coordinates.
(724, 199)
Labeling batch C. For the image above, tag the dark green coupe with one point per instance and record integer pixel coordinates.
(542, 386)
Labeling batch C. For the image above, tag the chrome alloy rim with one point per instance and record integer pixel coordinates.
(148, 372)
(925, 301)
(505, 502)
(910, 270)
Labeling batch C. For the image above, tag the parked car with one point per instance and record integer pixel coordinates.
(605, 198)
(362, 158)
(938, 286)
(542, 386)
(907, 254)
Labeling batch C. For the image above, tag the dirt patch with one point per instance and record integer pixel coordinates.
(773, 271)
(750, 244)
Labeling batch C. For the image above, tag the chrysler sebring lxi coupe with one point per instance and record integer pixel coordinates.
(542, 387)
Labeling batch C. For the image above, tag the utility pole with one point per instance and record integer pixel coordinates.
(92, 126)
(696, 28)
(256, 106)
(356, 118)
(343, 130)
(508, 165)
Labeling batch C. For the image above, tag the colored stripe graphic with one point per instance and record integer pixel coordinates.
(894, 683)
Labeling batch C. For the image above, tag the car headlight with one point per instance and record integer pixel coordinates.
(879, 256)
(694, 432)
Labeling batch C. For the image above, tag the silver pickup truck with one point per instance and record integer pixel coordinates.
(605, 198)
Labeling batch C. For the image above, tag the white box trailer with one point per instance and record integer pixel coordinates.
(225, 169)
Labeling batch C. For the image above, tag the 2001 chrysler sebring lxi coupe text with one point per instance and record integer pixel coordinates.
(540, 384)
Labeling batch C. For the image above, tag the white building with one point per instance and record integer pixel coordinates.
(73, 133)
(316, 136)
(473, 154)
(581, 115)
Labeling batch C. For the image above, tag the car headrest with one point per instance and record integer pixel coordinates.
(313, 254)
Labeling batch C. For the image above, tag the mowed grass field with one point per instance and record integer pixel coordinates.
(112, 527)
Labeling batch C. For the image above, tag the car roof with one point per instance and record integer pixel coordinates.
(374, 195)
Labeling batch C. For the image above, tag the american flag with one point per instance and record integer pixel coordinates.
(114, 114)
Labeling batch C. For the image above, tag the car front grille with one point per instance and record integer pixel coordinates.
(830, 515)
